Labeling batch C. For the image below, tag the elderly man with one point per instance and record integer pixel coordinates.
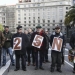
(39, 34)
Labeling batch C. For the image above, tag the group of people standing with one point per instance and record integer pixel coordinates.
(35, 43)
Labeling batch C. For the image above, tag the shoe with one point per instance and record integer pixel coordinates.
(28, 64)
(33, 64)
(13, 64)
(16, 69)
(3, 64)
(24, 69)
(44, 61)
(36, 68)
(52, 70)
(73, 71)
(48, 61)
(59, 70)
(41, 68)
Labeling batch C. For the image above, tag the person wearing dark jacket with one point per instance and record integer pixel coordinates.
(30, 49)
(7, 46)
(40, 50)
(56, 54)
(72, 44)
(2, 40)
(47, 47)
(19, 45)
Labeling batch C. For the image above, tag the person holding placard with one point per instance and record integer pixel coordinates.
(57, 43)
(38, 41)
(19, 44)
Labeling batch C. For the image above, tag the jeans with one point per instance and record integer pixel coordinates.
(10, 52)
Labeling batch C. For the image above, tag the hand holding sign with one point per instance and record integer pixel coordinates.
(37, 42)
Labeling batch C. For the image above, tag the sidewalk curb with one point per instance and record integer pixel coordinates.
(4, 70)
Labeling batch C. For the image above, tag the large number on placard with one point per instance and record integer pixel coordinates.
(37, 41)
(17, 43)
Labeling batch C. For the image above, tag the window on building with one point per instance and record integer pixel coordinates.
(29, 18)
(48, 24)
(29, 25)
(24, 21)
(33, 17)
(66, 8)
(33, 24)
(53, 24)
(25, 25)
(38, 13)
(18, 18)
(18, 14)
(3, 14)
(38, 21)
(66, 11)
(38, 5)
(18, 11)
(24, 14)
(33, 5)
(19, 21)
(43, 24)
(43, 21)
(38, 9)
(53, 20)
(48, 21)
(25, 18)
(18, 6)
(60, 20)
(33, 21)
(38, 17)
(4, 21)
(29, 21)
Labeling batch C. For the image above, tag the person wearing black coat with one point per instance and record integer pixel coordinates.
(22, 52)
(45, 59)
(72, 44)
(56, 56)
(30, 49)
(40, 50)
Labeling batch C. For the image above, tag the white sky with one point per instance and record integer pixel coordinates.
(8, 2)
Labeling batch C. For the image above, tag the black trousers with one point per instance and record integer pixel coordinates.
(74, 67)
(31, 51)
(22, 56)
(56, 59)
(45, 55)
(0, 56)
(40, 60)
